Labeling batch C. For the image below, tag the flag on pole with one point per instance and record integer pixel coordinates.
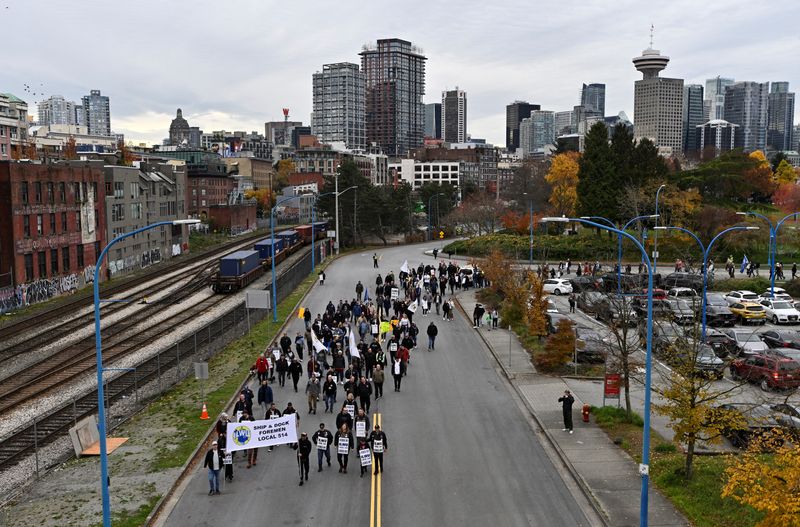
(745, 261)
(318, 346)
(366, 294)
(353, 348)
(404, 267)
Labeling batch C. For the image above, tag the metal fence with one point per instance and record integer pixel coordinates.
(133, 388)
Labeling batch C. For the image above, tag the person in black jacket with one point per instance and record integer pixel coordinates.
(344, 443)
(329, 393)
(325, 434)
(364, 392)
(223, 443)
(213, 462)
(379, 444)
(344, 418)
(285, 343)
(362, 445)
(566, 401)
(303, 453)
(295, 370)
(282, 365)
(432, 332)
(243, 405)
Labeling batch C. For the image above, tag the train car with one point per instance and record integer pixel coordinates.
(267, 248)
(289, 237)
(237, 270)
(304, 231)
(320, 229)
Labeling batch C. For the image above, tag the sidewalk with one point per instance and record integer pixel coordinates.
(604, 470)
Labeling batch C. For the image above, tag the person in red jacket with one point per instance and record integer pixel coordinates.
(404, 356)
(261, 368)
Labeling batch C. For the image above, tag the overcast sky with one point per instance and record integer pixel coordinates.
(234, 65)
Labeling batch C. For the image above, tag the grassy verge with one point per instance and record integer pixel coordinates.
(699, 498)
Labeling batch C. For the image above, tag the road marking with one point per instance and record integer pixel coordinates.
(375, 486)
(380, 478)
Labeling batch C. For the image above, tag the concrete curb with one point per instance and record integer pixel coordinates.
(167, 503)
(587, 491)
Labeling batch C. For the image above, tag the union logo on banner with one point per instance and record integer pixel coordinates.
(241, 435)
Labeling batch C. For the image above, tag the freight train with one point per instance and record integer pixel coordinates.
(239, 269)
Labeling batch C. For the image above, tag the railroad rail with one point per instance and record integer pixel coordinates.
(56, 422)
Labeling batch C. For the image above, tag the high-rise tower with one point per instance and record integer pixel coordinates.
(97, 113)
(454, 116)
(339, 105)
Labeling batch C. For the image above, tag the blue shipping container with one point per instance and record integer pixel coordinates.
(264, 247)
(239, 263)
(289, 236)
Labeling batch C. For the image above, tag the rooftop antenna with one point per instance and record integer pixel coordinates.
(652, 28)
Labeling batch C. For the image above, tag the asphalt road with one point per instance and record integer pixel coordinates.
(461, 452)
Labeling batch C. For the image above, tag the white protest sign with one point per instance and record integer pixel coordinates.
(228, 459)
(344, 445)
(395, 293)
(374, 329)
(353, 347)
(351, 409)
(239, 415)
(276, 353)
(255, 434)
(366, 457)
(274, 416)
(377, 446)
(361, 429)
(322, 442)
(412, 307)
(393, 346)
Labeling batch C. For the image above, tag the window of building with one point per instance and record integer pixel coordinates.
(76, 189)
(97, 218)
(202, 203)
(117, 212)
(54, 261)
(79, 253)
(52, 223)
(23, 187)
(136, 211)
(42, 257)
(135, 190)
(62, 192)
(28, 267)
(38, 191)
(94, 189)
(119, 190)
(63, 222)
(65, 260)
(78, 221)
(39, 226)
(51, 198)
(202, 192)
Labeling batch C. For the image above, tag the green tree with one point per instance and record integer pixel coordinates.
(349, 175)
(596, 193)
(440, 205)
(622, 150)
(647, 163)
(785, 173)
(776, 160)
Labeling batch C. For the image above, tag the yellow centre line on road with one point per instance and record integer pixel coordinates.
(375, 486)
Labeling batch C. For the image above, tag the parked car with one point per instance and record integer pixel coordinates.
(747, 312)
(658, 294)
(781, 338)
(682, 292)
(787, 353)
(780, 294)
(661, 309)
(780, 311)
(747, 341)
(553, 319)
(616, 309)
(706, 361)
(734, 297)
(589, 345)
(682, 311)
(758, 420)
(717, 311)
(770, 372)
(692, 280)
(557, 286)
(587, 301)
(790, 410)
(664, 335)
(585, 283)
(722, 344)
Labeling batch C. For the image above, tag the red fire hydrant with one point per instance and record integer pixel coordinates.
(585, 412)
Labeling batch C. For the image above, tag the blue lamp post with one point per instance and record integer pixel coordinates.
(429, 212)
(706, 252)
(98, 346)
(773, 242)
(619, 247)
(644, 467)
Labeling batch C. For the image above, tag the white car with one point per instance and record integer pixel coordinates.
(780, 294)
(557, 286)
(741, 296)
(682, 292)
(780, 311)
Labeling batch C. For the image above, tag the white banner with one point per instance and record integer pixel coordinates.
(366, 457)
(255, 434)
(353, 348)
(404, 267)
(318, 346)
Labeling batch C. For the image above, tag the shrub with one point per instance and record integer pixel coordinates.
(558, 349)
(611, 415)
(757, 284)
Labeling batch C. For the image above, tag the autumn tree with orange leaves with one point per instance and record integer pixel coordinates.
(563, 179)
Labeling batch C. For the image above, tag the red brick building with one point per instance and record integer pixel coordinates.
(52, 225)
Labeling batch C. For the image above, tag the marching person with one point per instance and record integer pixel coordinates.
(303, 453)
(296, 371)
(222, 445)
(214, 463)
(344, 444)
(377, 439)
(299, 344)
(252, 453)
(325, 451)
(432, 332)
(397, 373)
(361, 417)
(363, 444)
(344, 418)
(566, 401)
(364, 392)
(359, 290)
(377, 380)
(272, 413)
(265, 396)
(282, 365)
(329, 392)
(312, 390)
(292, 410)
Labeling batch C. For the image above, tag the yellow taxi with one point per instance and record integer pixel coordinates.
(746, 312)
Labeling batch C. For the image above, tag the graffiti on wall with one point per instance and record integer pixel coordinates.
(12, 298)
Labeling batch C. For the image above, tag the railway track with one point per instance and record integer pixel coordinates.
(83, 299)
(57, 421)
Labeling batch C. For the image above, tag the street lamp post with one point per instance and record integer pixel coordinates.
(706, 252)
(619, 247)
(98, 346)
(644, 467)
(773, 243)
(313, 220)
(429, 212)
(655, 236)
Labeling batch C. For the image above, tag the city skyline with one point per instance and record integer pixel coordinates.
(221, 87)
